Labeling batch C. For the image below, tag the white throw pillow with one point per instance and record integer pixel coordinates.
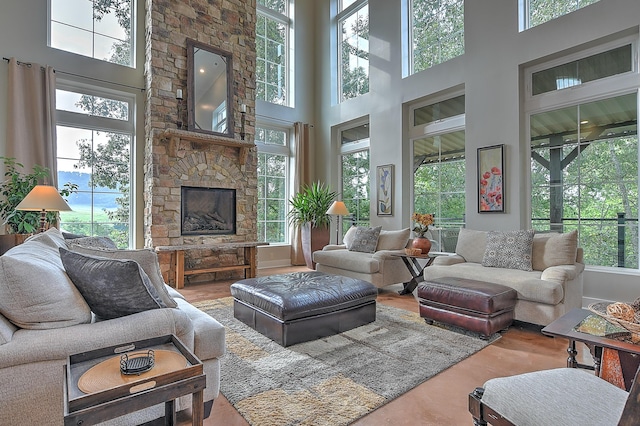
(393, 240)
(471, 245)
(349, 236)
(35, 291)
(553, 249)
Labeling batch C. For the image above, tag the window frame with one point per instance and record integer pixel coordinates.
(133, 36)
(287, 21)
(286, 151)
(410, 30)
(439, 127)
(341, 15)
(575, 96)
(524, 16)
(347, 149)
(104, 124)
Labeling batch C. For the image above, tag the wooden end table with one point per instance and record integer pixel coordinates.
(150, 389)
(416, 270)
(565, 326)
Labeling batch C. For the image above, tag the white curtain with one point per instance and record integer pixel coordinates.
(301, 177)
(31, 122)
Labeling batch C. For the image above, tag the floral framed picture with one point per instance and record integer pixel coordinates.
(491, 193)
(384, 185)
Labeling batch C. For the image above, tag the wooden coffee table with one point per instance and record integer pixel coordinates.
(565, 326)
(113, 395)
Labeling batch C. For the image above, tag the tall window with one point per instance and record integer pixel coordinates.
(439, 167)
(584, 155)
(95, 133)
(100, 29)
(354, 156)
(437, 32)
(353, 49)
(273, 165)
(536, 12)
(272, 47)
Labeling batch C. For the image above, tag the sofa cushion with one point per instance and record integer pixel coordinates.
(354, 261)
(510, 250)
(35, 291)
(529, 284)
(146, 258)
(113, 288)
(471, 245)
(349, 236)
(554, 249)
(393, 240)
(366, 239)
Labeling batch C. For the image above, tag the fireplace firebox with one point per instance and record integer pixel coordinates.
(208, 211)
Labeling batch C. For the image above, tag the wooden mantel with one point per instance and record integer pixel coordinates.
(176, 135)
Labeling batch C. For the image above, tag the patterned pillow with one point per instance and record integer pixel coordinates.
(365, 239)
(510, 250)
(93, 242)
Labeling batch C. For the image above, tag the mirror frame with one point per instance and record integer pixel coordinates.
(192, 47)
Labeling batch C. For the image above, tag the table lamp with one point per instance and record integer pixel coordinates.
(43, 198)
(338, 208)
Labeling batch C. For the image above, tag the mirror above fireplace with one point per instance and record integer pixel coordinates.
(209, 89)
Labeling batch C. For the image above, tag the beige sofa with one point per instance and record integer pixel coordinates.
(551, 289)
(380, 267)
(44, 319)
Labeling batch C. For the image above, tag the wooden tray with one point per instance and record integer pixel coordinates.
(107, 390)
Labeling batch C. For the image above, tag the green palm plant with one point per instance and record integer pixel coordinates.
(310, 205)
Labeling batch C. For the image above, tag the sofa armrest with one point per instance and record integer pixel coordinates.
(334, 247)
(6, 330)
(448, 260)
(28, 346)
(381, 255)
(562, 273)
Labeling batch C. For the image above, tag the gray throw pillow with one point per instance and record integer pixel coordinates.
(112, 288)
(365, 239)
(146, 258)
(512, 250)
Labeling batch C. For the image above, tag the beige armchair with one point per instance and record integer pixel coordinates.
(380, 268)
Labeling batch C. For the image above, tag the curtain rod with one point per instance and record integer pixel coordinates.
(267, 118)
(28, 64)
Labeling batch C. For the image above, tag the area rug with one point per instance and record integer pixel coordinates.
(335, 380)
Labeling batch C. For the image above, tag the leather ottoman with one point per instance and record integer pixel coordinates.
(302, 306)
(478, 306)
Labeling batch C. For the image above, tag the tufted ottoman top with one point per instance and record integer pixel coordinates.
(303, 294)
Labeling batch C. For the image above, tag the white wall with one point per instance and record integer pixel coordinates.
(490, 72)
(304, 105)
(23, 35)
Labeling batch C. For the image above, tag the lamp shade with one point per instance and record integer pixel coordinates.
(44, 197)
(338, 208)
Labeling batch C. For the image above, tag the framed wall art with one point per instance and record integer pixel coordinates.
(491, 195)
(384, 185)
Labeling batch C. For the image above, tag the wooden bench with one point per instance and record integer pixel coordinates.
(177, 256)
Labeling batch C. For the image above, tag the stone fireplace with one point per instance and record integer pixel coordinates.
(177, 158)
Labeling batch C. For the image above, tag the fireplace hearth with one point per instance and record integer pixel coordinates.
(208, 211)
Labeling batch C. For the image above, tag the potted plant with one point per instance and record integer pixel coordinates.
(309, 212)
(19, 223)
(422, 220)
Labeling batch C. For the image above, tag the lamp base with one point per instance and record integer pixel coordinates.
(43, 220)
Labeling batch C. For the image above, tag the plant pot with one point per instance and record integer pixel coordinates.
(423, 243)
(313, 239)
(8, 241)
